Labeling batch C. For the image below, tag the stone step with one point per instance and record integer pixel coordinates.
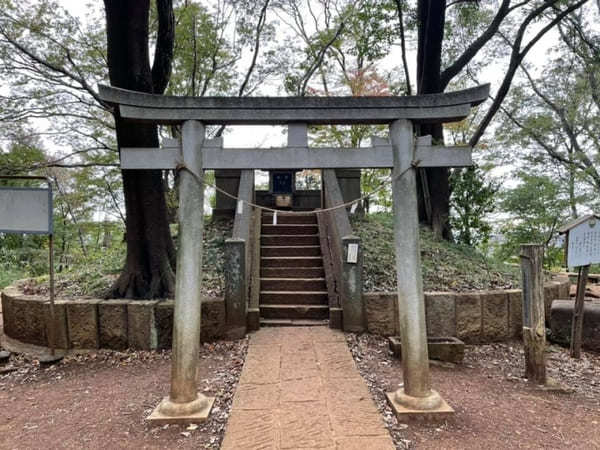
(290, 250)
(293, 323)
(291, 261)
(300, 239)
(292, 272)
(293, 284)
(290, 218)
(293, 298)
(296, 229)
(318, 312)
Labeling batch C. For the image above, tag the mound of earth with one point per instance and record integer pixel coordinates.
(446, 266)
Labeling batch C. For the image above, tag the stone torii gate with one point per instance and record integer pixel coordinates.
(403, 155)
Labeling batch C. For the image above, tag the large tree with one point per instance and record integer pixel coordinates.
(51, 62)
(150, 261)
(433, 76)
(553, 117)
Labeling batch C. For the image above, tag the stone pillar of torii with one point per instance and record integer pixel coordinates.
(403, 153)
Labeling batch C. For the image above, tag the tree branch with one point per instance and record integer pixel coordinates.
(517, 56)
(403, 46)
(259, 27)
(581, 155)
(454, 69)
(53, 67)
(165, 40)
(319, 59)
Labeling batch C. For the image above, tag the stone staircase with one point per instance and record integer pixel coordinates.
(292, 279)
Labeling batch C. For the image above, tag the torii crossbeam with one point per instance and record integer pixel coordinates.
(403, 153)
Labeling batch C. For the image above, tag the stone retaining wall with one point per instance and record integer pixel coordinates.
(474, 317)
(94, 323)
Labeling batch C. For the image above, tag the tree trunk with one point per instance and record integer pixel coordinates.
(150, 261)
(431, 17)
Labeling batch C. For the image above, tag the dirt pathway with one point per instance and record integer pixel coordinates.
(101, 400)
(495, 408)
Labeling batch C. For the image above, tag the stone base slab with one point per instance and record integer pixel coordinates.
(34, 351)
(441, 413)
(555, 387)
(441, 348)
(157, 418)
(48, 360)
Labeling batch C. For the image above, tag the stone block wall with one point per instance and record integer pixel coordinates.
(474, 317)
(94, 323)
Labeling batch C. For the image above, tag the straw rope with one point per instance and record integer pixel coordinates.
(382, 185)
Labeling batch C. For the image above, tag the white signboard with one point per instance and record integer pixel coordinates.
(352, 253)
(25, 210)
(584, 244)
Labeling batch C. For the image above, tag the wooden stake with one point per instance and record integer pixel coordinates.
(534, 328)
(577, 322)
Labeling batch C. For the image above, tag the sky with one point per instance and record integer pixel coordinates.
(269, 136)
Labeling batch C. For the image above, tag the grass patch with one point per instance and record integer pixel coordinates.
(8, 276)
(446, 266)
(94, 276)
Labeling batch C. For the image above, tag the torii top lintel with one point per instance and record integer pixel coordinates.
(165, 109)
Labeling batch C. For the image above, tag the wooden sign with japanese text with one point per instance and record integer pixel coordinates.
(584, 244)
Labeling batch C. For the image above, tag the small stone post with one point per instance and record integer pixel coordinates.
(534, 328)
(185, 404)
(253, 313)
(352, 303)
(235, 287)
(416, 394)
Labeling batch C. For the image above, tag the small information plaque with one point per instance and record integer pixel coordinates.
(584, 244)
(25, 210)
(352, 253)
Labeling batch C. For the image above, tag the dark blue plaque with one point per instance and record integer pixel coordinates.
(282, 182)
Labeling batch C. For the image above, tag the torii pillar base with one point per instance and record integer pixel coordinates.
(168, 412)
(427, 409)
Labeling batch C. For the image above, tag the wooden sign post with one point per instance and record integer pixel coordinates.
(534, 328)
(582, 247)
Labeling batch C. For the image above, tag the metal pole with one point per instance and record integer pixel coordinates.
(185, 403)
(52, 327)
(416, 392)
